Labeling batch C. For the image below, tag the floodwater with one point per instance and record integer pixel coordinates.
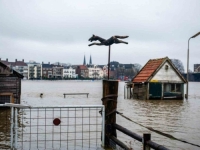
(179, 118)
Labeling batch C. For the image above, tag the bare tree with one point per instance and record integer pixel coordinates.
(137, 67)
(178, 64)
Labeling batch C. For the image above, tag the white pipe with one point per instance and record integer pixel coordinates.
(70, 106)
(16, 127)
(103, 126)
(11, 128)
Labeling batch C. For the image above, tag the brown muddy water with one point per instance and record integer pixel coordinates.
(179, 118)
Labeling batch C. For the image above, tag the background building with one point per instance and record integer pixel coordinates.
(46, 71)
(34, 70)
(57, 71)
(69, 72)
(95, 72)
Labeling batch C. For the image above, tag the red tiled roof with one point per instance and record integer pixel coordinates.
(146, 72)
(83, 67)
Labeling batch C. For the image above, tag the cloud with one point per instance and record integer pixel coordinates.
(59, 30)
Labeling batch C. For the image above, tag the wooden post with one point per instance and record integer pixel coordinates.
(146, 138)
(109, 100)
(109, 63)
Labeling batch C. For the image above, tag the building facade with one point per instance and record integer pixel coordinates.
(57, 71)
(82, 71)
(46, 71)
(95, 72)
(69, 72)
(34, 70)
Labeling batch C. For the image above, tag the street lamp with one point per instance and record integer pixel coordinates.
(186, 95)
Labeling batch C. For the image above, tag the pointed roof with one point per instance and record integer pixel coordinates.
(90, 60)
(151, 67)
(84, 62)
(12, 72)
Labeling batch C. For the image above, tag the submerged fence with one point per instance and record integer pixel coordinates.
(57, 127)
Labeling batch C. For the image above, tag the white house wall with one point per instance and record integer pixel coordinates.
(166, 75)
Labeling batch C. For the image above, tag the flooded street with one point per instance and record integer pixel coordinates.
(175, 117)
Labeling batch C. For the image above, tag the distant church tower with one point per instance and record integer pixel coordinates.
(84, 62)
(90, 60)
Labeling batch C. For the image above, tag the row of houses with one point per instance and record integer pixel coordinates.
(34, 70)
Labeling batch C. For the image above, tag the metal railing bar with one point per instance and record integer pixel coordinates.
(30, 130)
(75, 128)
(68, 128)
(11, 128)
(103, 126)
(62, 117)
(85, 139)
(45, 128)
(60, 127)
(53, 131)
(96, 124)
(89, 128)
(63, 132)
(16, 127)
(37, 126)
(82, 127)
(68, 106)
(22, 129)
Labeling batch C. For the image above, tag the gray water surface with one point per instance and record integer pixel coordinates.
(180, 118)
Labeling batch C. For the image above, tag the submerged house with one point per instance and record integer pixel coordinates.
(10, 85)
(158, 79)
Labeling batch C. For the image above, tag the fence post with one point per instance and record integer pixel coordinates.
(109, 100)
(146, 138)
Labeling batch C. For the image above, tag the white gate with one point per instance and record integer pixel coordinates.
(56, 127)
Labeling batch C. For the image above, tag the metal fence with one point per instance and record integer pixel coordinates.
(57, 127)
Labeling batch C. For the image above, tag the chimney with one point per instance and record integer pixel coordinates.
(0, 59)
(49, 63)
(15, 60)
(42, 63)
(23, 60)
(7, 59)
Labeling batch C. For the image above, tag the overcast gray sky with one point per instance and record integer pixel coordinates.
(51, 31)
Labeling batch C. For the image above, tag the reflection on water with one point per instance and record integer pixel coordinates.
(179, 118)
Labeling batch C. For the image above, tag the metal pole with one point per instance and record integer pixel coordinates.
(186, 96)
(103, 126)
(11, 128)
(16, 127)
(109, 63)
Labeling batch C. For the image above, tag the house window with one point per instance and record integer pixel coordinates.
(172, 87)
